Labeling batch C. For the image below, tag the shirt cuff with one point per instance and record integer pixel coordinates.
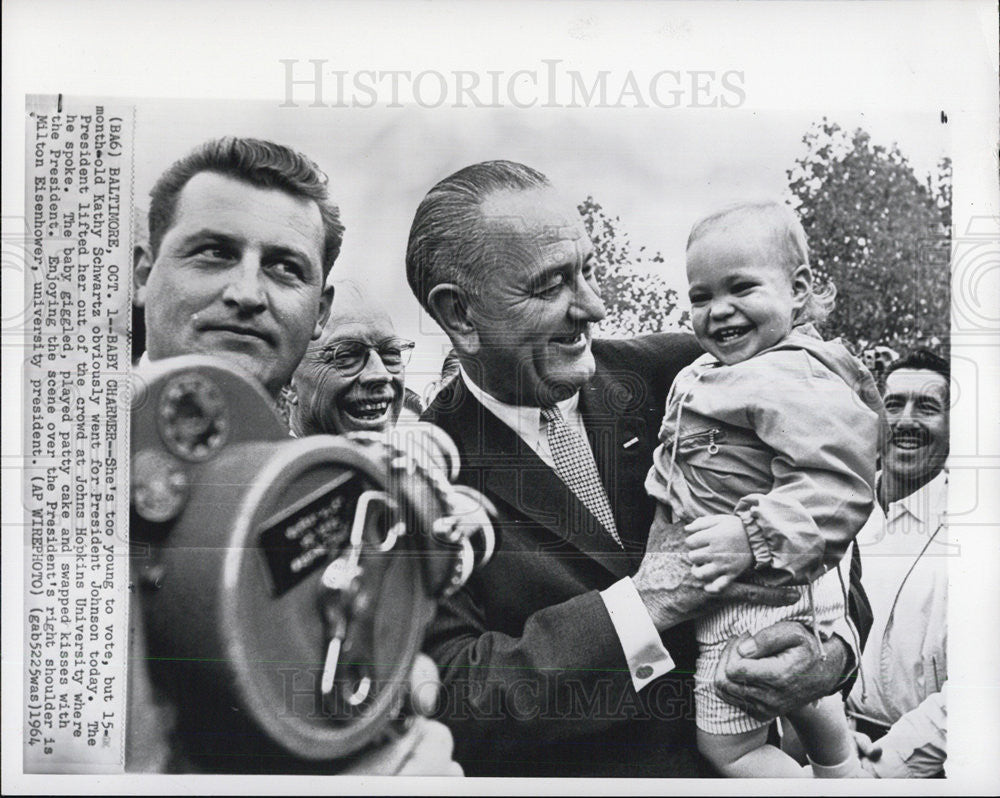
(644, 651)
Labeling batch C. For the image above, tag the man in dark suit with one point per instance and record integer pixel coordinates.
(569, 654)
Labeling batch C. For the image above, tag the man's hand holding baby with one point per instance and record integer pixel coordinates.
(669, 589)
(719, 550)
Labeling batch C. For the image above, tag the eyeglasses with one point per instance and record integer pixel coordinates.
(351, 357)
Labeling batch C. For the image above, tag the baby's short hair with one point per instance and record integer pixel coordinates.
(782, 235)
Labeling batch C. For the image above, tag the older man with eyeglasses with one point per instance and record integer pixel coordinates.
(352, 376)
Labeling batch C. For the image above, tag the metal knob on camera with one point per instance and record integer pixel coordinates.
(423, 462)
(343, 600)
(467, 526)
(295, 578)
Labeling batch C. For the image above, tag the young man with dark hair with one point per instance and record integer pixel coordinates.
(242, 236)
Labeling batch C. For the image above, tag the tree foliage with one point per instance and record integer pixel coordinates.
(637, 301)
(880, 234)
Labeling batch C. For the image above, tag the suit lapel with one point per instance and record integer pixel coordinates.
(622, 432)
(496, 459)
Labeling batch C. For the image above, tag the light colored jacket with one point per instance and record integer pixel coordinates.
(786, 440)
(904, 668)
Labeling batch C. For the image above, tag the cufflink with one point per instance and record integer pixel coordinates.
(644, 671)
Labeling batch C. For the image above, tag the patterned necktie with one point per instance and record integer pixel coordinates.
(576, 467)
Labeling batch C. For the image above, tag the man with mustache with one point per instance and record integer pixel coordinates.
(899, 699)
(569, 653)
(242, 237)
(352, 377)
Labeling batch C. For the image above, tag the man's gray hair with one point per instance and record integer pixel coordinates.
(448, 242)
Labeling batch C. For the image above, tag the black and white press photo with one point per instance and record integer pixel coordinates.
(614, 405)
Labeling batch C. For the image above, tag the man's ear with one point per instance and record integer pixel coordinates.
(325, 303)
(802, 285)
(449, 305)
(142, 264)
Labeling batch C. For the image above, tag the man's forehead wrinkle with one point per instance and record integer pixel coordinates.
(915, 390)
(519, 225)
(355, 317)
(914, 382)
(353, 320)
(209, 192)
(497, 205)
(546, 243)
(559, 254)
(526, 207)
(511, 234)
(219, 233)
(508, 244)
(568, 229)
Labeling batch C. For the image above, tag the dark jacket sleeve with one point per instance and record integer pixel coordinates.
(509, 697)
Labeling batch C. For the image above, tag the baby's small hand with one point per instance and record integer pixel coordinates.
(719, 550)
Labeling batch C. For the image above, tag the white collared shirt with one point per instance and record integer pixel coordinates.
(904, 667)
(925, 508)
(904, 571)
(645, 654)
(527, 421)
